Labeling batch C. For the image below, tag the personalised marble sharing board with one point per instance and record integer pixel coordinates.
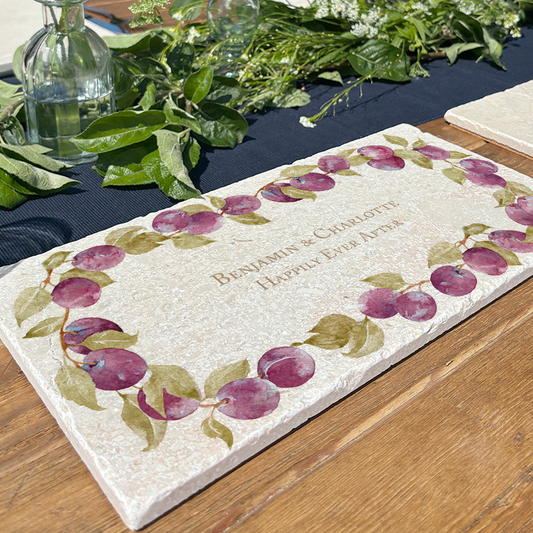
(504, 117)
(173, 348)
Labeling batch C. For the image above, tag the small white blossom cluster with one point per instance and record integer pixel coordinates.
(369, 24)
(420, 6)
(341, 9)
(192, 34)
(306, 123)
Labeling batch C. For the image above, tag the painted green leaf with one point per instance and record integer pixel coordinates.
(423, 162)
(419, 144)
(45, 327)
(444, 253)
(195, 208)
(153, 431)
(475, 229)
(456, 175)
(120, 129)
(294, 192)
(98, 277)
(219, 377)
(392, 139)
(365, 338)
(332, 332)
(198, 84)
(346, 153)
(142, 243)
(358, 160)
(110, 339)
(407, 154)
(519, 189)
(504, 197)
(457, 155)
(386, 281)
(510, 257)
(184, 241)
(251, 219)
(529, 234)
(31, 301)
(215, 430)
(169, 144)
(296, 171)
(346, 172)
(216, 202)
(55, 260)
(153, 389)
(148, 99)
(76, 385)
(176, 380)
(113, 237)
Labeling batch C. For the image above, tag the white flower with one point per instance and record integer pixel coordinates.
(306, 123)
(192, 34)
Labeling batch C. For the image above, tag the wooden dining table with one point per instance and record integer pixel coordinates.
(441, 442)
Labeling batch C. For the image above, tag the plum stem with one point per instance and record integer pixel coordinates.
(463, 242)
(419, 285)
(47, 281)
(213, 405)
(64, 345)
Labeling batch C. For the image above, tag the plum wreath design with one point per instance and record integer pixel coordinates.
(97, 353)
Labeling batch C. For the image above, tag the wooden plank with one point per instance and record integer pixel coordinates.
(45, 487)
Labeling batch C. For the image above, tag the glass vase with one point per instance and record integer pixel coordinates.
(232, 24)
(67, 80)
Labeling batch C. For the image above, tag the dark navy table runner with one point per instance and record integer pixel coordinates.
(274, 138)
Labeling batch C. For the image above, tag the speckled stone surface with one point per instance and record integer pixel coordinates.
(504, 117)
(202, 317)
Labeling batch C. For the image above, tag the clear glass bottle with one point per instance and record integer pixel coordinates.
(67, 80)
(233, 24)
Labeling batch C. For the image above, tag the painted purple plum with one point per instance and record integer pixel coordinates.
(511, 240)
(176, 407)
(378, 303)
(204, 222)
(333, 163)
(433, 152)
(313, 182)
(76, 332)
(171, 221)
(241, 205)
(526, 204)
(99, 258)
(485, 180)
(248, 398)
(453, 281)
(417, 306)
(286, 366)
(74, 293)
(274, 193)
(479, 166)
(392, 163)
(485, 261)
(376, 151)
(114, 369)
(518, 214)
